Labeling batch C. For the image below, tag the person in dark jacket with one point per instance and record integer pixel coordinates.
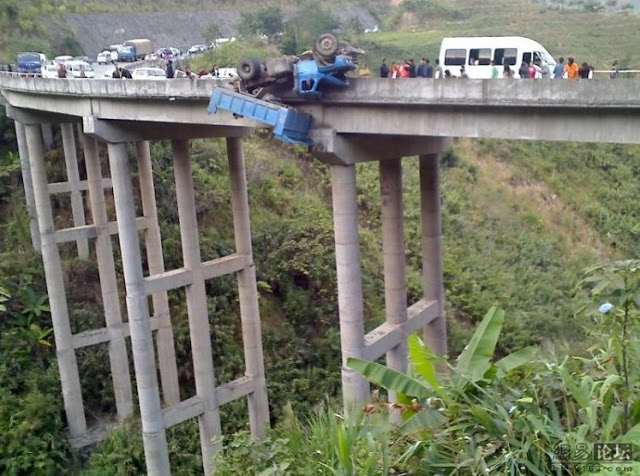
(170, 72)
(384, 69)
(524, 71)
(412, 69)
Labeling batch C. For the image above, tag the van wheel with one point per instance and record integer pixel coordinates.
(249, 68)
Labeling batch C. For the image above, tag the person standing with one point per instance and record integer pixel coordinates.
(439, 74)
(62, 71)
(571, 69)
(422, 68)
(429, 69)
(170, 72)
(524, 71)
(384, 69)
(412, 68)
(558, 71)
(615, 72)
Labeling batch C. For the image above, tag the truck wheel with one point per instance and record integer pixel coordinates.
(326, 45)
(249, 68)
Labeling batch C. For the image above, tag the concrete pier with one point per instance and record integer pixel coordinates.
(435, 333)
(27, 183)
(209, 419)
(393, 249)
(118, 360)
(153, 430)
(355, 390)
(73, 179)
(155, 259)
(248, 292)
(65, 352)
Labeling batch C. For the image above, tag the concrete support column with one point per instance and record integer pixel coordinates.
(153, 433)
(69, 378)
(395, 282)
(73, 177)
(355, 389)
(435, 333)
(47, 136)
(209, 421)
(108, 282)
(27, 183)
(248, 292)
(155, 258)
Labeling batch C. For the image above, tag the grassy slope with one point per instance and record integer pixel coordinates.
(595, 38)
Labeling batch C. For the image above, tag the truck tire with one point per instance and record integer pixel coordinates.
(249, 68)
(326, 45)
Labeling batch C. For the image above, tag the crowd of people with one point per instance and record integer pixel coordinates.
(531, 70)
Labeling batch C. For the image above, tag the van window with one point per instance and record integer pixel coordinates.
(505, 56)
(528, 57)
(481, 55)
(455, 57)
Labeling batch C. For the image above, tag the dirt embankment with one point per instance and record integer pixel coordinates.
(96, 31)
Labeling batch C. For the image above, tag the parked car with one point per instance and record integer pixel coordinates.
(79, 69)
(62, 59)
(149, 73)
(195, 49)
(50, 70)
(104, 57)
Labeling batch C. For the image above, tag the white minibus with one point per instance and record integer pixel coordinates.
(476, 54)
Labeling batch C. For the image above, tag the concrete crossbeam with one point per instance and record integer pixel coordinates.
(66, 235)
(195, 406)
(100, 336)
(82, 185)
(387, 336)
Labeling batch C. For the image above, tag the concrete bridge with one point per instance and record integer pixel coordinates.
(374, 119)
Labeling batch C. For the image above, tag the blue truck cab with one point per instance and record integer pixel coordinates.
(29, 63)
(127, 53)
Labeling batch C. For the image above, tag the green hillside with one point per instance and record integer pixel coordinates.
(521, 220)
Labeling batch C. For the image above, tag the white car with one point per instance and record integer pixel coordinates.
(195, 49)
(62, 59)
(104, 57)
(149, 73)
(227, 73)
(79, 69)
(50, 70)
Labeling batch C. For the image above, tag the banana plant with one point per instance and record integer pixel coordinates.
(422, 391)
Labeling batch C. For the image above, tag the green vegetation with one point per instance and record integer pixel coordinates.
(521, 220)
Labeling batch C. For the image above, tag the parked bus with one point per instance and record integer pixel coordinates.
(476, 54)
